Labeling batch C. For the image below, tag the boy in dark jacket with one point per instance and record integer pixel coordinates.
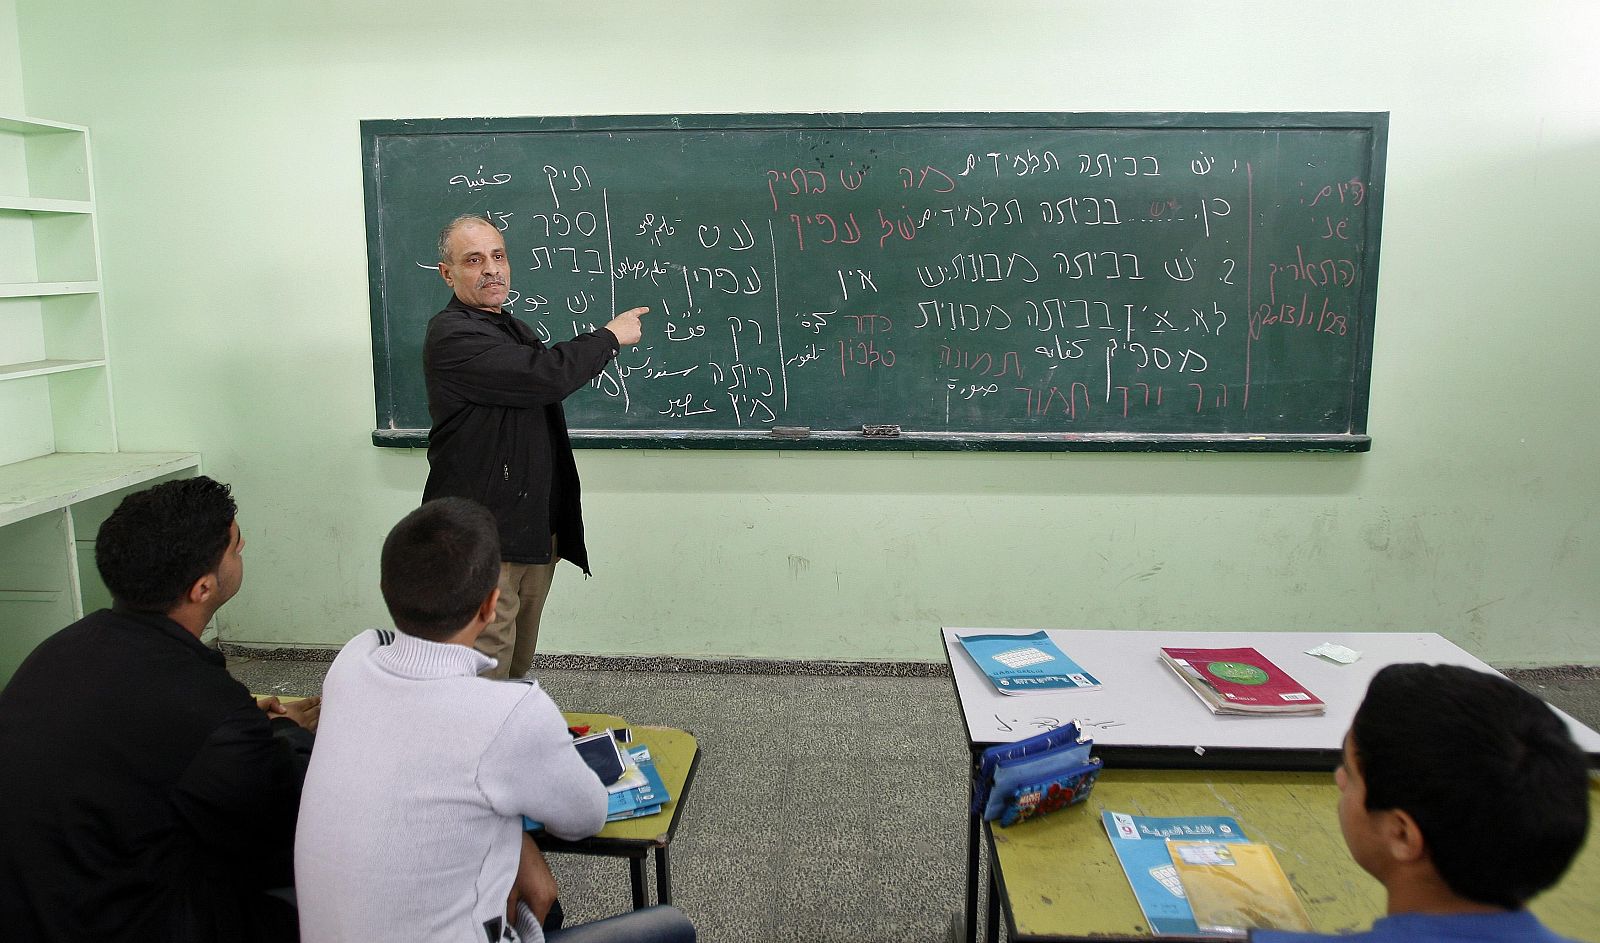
(144, 794)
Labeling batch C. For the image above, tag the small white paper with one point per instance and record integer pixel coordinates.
(1205, 853)
(1338, 653)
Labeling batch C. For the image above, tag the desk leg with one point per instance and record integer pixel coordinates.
(663, 878)
(973, 839)
(636, 872)
(991, 912)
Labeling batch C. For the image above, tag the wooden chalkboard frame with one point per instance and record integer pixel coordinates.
(1375, 124)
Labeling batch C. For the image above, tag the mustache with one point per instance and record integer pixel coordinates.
(486, 282)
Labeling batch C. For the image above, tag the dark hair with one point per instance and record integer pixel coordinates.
(1488, 771)
(159, 541)
(439, 564)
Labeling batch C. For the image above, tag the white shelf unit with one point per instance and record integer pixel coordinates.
(60, 471)
(48, 289)
(55, 387)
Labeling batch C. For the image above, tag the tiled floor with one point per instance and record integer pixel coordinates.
(824, 808)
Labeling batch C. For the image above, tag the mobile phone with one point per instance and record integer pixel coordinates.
(600, 751)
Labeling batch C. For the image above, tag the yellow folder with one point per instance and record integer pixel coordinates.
(1236, 886)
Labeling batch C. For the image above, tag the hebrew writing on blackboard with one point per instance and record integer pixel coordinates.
(970, 281)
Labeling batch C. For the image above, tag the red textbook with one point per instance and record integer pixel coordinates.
(1240, 681)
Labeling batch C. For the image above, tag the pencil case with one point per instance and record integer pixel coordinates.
(1010, 752)
(1054, 791)
(1045, 772)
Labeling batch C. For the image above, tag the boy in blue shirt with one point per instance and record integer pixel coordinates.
(1465, 796)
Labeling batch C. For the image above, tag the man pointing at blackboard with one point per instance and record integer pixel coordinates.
(499, 436)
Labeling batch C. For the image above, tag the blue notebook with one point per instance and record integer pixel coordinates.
(1026, 664)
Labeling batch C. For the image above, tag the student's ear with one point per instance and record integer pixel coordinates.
(202, 590)
(1403, 837)
(486, 608)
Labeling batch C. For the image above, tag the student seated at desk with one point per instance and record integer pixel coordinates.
(411, 821)
(1465, 796)
(144, 794)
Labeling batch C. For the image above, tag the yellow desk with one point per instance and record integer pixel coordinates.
(676, 754)
(1059, 879)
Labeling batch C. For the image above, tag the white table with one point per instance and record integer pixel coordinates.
(1143, 713)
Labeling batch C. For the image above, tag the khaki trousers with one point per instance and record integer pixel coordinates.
(511, 637)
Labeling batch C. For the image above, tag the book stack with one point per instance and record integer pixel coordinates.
(634, 788)
(1202, 876)
(1240, 681)
(639, 792)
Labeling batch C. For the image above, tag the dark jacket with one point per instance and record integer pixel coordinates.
(499, 436)
(143, 794)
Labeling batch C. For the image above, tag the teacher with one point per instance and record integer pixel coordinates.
(499, 436)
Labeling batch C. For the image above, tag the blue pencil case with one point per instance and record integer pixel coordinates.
(1010, 752)
(1055, 791)
(1018, 781)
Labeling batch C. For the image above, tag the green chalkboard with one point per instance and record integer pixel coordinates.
(1010, 281)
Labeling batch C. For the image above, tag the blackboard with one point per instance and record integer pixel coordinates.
(1010, 281)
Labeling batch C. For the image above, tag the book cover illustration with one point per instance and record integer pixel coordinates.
(1026, 664)
(1140, 842)
(1234, 887)
(1240, 681)
(1039, 798)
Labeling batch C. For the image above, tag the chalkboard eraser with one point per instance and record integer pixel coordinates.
(789, 432)
(880, 431)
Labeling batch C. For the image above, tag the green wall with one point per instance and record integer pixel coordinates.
(10, 61)
(230, 183)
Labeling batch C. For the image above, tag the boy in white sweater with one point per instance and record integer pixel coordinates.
(411, 819)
